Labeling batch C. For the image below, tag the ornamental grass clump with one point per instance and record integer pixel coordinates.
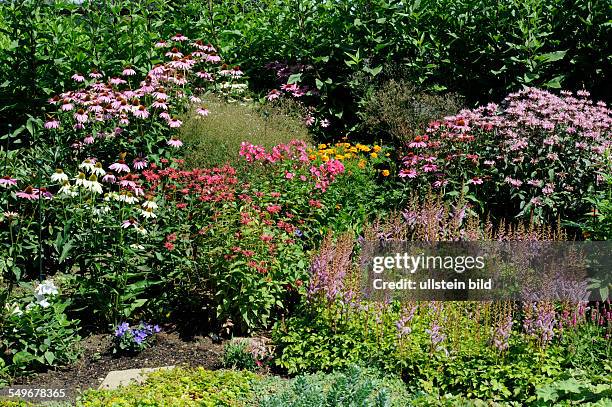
(535, 154)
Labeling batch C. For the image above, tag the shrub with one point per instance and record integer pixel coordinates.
(178, 387)
(536, 154)
(215, 140)
(36, 333)
(245, 353)
(399, 111)
(354, 386)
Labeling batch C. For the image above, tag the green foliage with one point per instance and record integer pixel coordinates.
(215, 140)
(352, 387)
(463, 360)
(37, 334)
(576, 387)
(170, 388)
(236, 355)
(398, 111)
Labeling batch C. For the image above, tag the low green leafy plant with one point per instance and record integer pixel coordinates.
(355, 386)
(178, 387)
(236, 355)
(36, 333)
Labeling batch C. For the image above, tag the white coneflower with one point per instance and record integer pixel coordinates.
(98, 170)
(101, 210)
(81, 180)
(128, 198)
(67, 190)
(93, 185)
(148, 213)
(150, 203)
(112, 196)
(87, 165)
(59, 176)
(142, 230)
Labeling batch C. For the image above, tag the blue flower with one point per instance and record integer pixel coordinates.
(122, 329)
(298, 233)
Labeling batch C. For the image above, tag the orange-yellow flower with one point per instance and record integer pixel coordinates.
(385, 173)
(322, 146)
(376, 149)
(374, 155)
(362, 164)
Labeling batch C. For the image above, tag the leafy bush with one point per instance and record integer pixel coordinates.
(36, 333)
(178, 387)
(215, 140)
(236, 355)
(576, 388)
(530, 156)
(597, 223)
(353, 387)
(399, 111)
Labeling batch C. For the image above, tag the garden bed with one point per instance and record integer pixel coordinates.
(97, 361)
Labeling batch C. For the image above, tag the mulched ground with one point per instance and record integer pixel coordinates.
(97, 361)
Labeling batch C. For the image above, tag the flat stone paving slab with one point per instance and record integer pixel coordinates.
(118, 378)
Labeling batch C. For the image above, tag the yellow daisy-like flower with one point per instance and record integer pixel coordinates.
(339, 157)
(385, 173)
(322, 146)
(362, 164)
(374, 155)
(325, 158)
(377, 149)
(312, 157)
(353, 149)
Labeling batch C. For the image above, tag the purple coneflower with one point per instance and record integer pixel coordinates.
(128, 71)
(174, 123)
(174, 142)
(52, 124)
(78, 77)
(120, 166)
(202, 111)
(8, 181)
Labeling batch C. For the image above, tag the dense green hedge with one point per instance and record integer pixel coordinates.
(480, 48)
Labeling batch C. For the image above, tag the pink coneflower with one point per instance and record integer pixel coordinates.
(129, 222)
(430, 167)
(273, 94)
(174, 142)
(161, 44)
(174, 123)
(160, 94)
(95, 74)
(66, 106)
(120, 166)
(140, 163)
(174, 53)
(109, 178)
(325, 123)
(8, 181)
(236, 72)
(214, 58)
(202, 111)
(164, 115)
(159, 104)
(29, 193)
(117, 81)
(52, 124)
(141, 112)
(209, 48)
(475, 181)
(88, 140)
(309, 121)
(78, 77)
(410, 173)
(81, 116)
(204, 75)
(179, 37)
(128, 72)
